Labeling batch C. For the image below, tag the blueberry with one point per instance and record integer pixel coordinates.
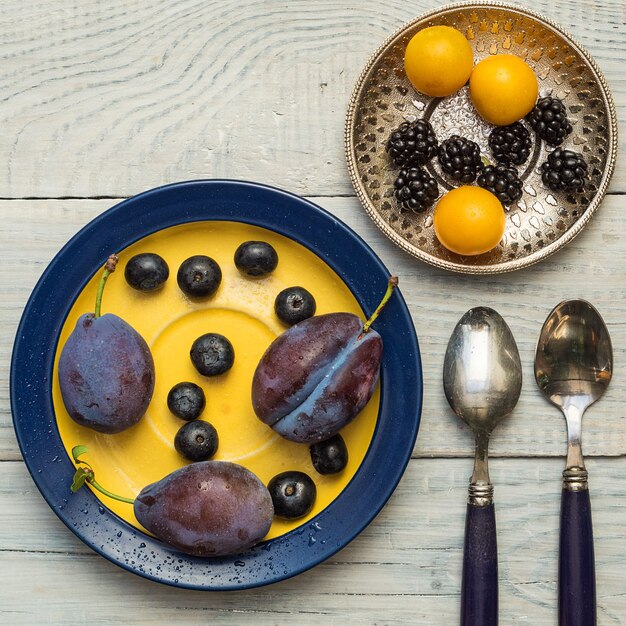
(293, 494)
(146, 272)
(294, 304)
(330, 456)
(196, 441)
(256, 258)
(212, 354)
(199, 276)
(186, 400)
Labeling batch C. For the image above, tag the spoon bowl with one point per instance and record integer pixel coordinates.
(574, 355)
(482, 374)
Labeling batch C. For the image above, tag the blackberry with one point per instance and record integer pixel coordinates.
(565, 170)
(510, 144)
(412, 143)
(460, 159)
(415, 189)
(502, 181)
(549, 120)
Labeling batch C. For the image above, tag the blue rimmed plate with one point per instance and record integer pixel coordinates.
(35, 422)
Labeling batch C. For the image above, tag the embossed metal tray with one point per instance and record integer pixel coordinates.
(542, 221)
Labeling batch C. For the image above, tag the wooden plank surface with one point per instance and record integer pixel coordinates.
(404, 568)
(111, 98)
(101, 100)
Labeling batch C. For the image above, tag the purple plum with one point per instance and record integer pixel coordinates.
(210, 508)
(106, 374)
(106, 370)
(316, 377)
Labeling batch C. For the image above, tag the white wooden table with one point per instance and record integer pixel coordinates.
(102, 100)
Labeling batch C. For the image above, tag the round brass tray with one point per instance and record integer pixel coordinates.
(542, 221)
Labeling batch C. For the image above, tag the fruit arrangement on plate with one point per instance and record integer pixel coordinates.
(144, 404)
(305, 385)
(481, 138)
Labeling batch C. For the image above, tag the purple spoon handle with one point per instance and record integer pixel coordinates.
(577, 576)
(479, 588)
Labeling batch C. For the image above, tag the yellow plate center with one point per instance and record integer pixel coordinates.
(242, 309)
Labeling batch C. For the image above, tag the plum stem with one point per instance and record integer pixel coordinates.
(85, 474)
(109, 268)
(391, 285)
(106, 492)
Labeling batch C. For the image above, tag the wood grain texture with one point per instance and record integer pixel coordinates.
(110, 98)
(35, 230)
(402, 569)
(107, 99)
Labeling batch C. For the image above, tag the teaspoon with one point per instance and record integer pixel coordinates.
(573, 367)
(482, 380)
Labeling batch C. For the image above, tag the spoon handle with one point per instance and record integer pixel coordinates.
(577, 576)
(479, 588)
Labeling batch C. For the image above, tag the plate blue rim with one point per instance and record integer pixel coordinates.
(120, 226)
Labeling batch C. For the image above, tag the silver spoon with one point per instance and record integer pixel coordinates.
(573, 367)
(482, 380)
